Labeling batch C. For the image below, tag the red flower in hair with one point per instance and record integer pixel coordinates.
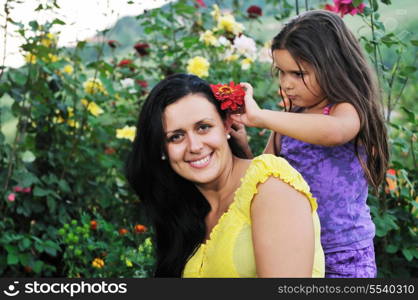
(142, 48)
(254, 11)
(230, 95)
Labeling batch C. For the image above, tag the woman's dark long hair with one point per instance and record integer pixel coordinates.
(321, 39)
(174, 205)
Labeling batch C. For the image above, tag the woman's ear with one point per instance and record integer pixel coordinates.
(228, 123)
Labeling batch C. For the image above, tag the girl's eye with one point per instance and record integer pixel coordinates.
(175, 138)
(299, 74)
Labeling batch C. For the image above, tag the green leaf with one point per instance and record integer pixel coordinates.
(52, 204)
(34, 25)
(58, 21)
(24, 244)
(357, 2)
(40, 192)
(409, 113)
(24, 259)
(414, 42)
(12, 259)
(37, 267)
(391, 249)
(408, 255)
(190, 41)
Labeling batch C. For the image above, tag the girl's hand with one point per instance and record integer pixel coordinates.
(252, 115)
(239, 133)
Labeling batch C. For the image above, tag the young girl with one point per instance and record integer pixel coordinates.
(332, 132)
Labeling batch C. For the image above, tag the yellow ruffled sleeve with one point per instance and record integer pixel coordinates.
(263, 167)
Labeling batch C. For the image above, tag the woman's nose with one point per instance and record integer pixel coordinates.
(195, 143)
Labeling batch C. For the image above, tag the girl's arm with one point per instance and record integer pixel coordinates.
(282, 231)
(273, 145)
(328, 130)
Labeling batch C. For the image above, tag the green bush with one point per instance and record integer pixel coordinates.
(66, 207)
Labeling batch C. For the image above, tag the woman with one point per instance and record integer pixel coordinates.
(215, 213)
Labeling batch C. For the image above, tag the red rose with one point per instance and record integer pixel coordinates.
(140, 228)
(123, 231)
(112, 43)
(201, 3)
(254, 11)
(231, 96)
(142, 48)
(110, 151)
(142, 83)
(93, 225)
(125, 63)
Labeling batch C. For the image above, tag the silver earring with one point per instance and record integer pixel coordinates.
(228, 136)
(163, 157)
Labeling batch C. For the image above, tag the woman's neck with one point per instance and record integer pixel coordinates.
(219, 193)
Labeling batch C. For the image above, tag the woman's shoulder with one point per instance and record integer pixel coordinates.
(269, 166)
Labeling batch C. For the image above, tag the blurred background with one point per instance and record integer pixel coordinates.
(74, 75)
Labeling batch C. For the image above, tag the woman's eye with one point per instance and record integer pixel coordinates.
(175, 138)
(204, 127)
(299, 74)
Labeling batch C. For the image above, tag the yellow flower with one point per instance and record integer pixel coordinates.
(127, 132)
(52, 58)
(30, 58)
(246, 63)
(49, 40)
(58, 120)
(198, 66)
(92, 107)
(232, 57)
(70, 111)
(216, 12)
(93, 86)
(209, 39)
(98, 263)
(128, 263)
(68, 69)
(228, 23)
(73, 123)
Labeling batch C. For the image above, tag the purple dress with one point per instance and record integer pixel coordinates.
(339, 184)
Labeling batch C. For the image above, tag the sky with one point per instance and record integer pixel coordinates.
(83, 18)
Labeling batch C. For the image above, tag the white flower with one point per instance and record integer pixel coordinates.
(246, 63)
(265, 55)
(245, 46)
(127, 82)
(224, 41)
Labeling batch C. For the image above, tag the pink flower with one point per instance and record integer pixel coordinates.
(345, 7)
(11, 197)
(27, 190)
(17, 189)
(201, 3)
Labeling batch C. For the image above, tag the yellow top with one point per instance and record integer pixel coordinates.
(229, 250)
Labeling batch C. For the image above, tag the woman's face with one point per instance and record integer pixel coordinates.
(196, 141)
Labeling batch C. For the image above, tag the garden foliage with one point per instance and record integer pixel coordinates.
(66, 208)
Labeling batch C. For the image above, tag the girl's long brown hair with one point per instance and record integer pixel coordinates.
(321, 39)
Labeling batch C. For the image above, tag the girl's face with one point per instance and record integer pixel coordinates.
(196, 141)
(299, 85)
